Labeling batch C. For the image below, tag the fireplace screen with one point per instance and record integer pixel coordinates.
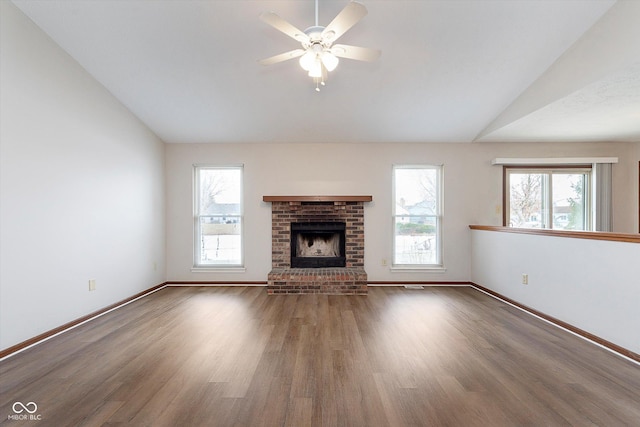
(318, 244)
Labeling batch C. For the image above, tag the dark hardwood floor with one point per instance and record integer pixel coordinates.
(234, 356)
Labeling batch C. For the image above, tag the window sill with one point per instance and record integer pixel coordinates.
(218, 269)
(416, 268)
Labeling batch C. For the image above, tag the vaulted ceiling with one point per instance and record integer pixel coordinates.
(450, 71)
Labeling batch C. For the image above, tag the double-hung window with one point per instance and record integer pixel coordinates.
(218, 216)
(417, 216)
(556, 198)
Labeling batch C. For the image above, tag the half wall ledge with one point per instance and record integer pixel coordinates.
(576, 234)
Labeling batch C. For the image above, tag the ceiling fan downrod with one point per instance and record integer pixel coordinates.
(318, 55)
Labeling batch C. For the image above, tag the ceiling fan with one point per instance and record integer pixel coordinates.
(318, 54)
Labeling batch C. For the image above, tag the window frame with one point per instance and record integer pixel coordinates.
(585, 169)
(439, 215)
(198, 266)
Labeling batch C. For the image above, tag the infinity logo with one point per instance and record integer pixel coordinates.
(21, 407)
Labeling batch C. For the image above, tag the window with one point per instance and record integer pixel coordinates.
(557, 198)
(417, 216)
(218, 216)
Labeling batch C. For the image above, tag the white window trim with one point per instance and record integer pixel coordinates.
(221, 269)
(552, 161)
(212, 268)
(431, 268)
(422, 268)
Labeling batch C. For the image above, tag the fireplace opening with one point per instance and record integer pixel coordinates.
(318, 244)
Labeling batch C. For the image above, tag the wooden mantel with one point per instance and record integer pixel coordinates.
(317, 198)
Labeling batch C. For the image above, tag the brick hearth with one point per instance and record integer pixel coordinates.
(348, 280)
(335, 280)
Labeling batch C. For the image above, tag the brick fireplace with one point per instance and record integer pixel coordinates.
(305, 211)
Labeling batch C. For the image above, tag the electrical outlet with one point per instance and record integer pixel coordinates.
(92, 285)
(525, 279)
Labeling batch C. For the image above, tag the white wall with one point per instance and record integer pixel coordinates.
(472, 195)
(590, 284)
(635, 184)
(82, 189)
(626, 192)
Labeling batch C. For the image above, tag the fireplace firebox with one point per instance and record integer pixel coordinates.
(318, 244)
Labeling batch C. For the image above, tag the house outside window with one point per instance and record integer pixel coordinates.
(552, 198)
(218, 216)
(417, 216)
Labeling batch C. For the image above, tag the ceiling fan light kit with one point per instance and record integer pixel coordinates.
(318, 55)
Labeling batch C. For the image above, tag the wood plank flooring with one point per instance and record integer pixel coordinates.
(234, 356)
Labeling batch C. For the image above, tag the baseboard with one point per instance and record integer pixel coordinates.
(46, 335)
(214, 283)
(264, 283)
(419, 282)
(582, 333)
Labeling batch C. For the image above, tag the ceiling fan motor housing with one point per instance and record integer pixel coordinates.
(315, 36)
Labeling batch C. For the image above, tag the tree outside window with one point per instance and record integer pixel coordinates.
(218, 216)
(548, 198)
(417, 216)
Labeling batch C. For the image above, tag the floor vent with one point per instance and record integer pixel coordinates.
(414, 286)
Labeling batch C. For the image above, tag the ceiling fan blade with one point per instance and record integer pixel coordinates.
(281, 25)
(282, 57)
(355, 52)
(347, 18)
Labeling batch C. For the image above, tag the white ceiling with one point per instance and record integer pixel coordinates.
(450, 71)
